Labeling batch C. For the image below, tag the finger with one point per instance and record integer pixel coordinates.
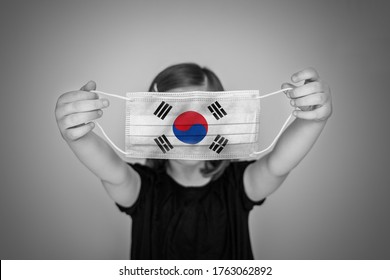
(288, 85)
(306, 74)
(91, 85)
(317, 114)
(76, 96)
(307, 89)
(80, 118)
(78, 132)
(316, 99)
(81, 106)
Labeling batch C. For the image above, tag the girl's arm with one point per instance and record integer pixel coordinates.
(75, 112)
(315, 106)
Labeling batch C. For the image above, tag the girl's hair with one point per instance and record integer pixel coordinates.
(186, 75)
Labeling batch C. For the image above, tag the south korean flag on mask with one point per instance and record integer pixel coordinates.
(192, 125)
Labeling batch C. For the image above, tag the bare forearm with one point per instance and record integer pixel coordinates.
(98, 157)
(293, 145)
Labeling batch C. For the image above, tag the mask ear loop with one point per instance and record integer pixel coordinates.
(112, 95)
(101, 128)
(109, 140)
(286, 123)
(252, 155)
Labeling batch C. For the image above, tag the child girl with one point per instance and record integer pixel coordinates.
(192, 209)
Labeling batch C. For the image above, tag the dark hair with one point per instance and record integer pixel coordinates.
(186, 75)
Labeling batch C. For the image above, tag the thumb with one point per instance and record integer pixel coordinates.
(91, 85)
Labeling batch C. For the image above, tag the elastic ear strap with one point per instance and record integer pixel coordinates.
(276, 138)
(109, 140)
(286, 123)
(101, 128)
(110, 94)
(273, 93)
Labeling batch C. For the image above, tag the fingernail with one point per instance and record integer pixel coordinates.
(295, 113)
(294, 78)
(292, 102)
(100, 112)
(92, 124)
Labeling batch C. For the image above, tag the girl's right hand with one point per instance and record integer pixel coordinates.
(76, 110)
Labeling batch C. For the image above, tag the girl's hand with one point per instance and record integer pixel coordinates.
(312, 99)
(76, 110)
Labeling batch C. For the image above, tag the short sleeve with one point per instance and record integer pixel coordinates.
(239, 168)
(147, 176)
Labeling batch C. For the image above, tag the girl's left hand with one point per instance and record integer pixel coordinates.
(312, 100)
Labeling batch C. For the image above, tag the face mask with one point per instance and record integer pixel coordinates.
(195, 125)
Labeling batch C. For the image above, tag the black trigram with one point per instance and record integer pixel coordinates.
(162, 110)
(163, 143)
(218, 144)
(217, 110)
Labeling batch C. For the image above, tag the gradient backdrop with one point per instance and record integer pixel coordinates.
(334, 205)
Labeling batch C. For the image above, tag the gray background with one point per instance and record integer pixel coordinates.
(334, 205)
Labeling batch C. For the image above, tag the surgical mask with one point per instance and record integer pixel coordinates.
(197, 125)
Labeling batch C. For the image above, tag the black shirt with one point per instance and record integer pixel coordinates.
(171, 221)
